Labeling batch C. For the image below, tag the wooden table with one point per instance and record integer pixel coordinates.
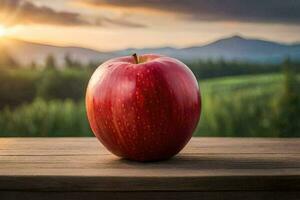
(208, 168)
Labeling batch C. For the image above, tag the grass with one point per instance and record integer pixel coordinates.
(239, 106)
(45, 118)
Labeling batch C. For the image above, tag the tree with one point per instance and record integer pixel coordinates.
(65, 84)
(288, 108)
(33, 65)
(50, 63)
(70, 63)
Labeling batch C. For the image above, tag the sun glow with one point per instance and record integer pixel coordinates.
(3, 31)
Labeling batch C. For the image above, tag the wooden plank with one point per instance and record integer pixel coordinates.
(66, 146)
(112, 184)
(206, 164)
(183, 165)
(254, 195)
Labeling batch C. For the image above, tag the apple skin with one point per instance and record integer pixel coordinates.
(144, 111)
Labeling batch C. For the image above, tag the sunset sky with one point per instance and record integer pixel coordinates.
(117, 24)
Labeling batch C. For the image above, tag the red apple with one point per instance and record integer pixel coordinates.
(143, 108)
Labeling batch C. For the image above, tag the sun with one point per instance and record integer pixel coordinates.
(3, 31)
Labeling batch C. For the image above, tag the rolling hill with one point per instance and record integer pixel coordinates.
(232, 48)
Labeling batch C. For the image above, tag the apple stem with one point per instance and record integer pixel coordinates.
(136, 58)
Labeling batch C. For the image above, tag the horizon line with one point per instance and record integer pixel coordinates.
(149, 47)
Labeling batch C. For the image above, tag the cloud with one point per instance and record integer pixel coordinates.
(120, 22)
(13, 12)
(278, 11)
(24, 12)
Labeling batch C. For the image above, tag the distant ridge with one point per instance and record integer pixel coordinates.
(232, 48)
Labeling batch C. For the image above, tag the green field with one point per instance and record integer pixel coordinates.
(237, 106)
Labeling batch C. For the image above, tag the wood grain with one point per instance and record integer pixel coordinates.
(223, 195)
(205, 165)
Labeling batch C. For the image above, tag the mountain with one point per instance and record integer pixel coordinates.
(26, 52)
(232, 48)
(238, 48)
